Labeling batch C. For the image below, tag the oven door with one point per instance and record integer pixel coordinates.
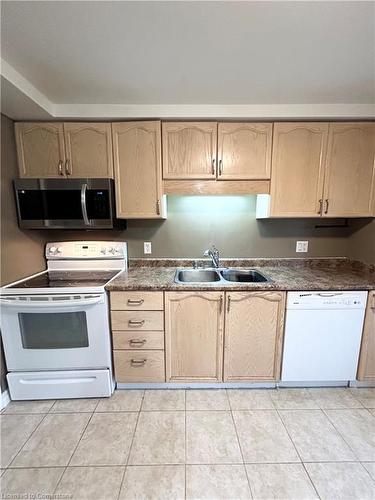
(56, 332)
(64, 203)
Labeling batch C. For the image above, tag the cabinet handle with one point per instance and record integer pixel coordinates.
(67, 167)
(60, 167)
(221, 303)
(320, 206)
(132, 302)
(213, 166)
(133, 322)
(220, 167)
(373, 302)
(158, 207)
(137, 342)
(228, 304)
(327, 206)
(138, 362)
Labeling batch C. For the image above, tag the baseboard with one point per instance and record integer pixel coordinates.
(196, 385)
(5, 399)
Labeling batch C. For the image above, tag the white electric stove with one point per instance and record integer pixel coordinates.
(55, 324)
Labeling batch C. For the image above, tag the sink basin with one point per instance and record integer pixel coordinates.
(197, 276)
(243, 275)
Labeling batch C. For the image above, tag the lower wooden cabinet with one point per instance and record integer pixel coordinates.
(194, 336)
(253, 335)
(366, 366)
(139, 366)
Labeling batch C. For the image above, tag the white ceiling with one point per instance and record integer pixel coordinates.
(104, 58)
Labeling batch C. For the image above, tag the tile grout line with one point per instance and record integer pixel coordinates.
(240, 447)
(295, 447)
(131, 445)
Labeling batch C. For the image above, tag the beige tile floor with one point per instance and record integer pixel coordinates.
(195, 444)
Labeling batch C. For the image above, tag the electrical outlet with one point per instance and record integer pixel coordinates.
(147, 247)
(302, 246)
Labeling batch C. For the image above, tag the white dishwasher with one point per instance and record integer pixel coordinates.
(322, 339)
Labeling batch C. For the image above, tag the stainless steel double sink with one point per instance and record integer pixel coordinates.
(220, 275)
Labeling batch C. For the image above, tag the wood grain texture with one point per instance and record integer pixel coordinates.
(137, 301)
(137, 320)
(195, 187)
(131, 340)
(297, 169)
(244, 151)
(89, 149)
(254, 325)
(194, 336)
(137, 164)
(189, 149)
(40, 148)
(350, 170)
(366, 366)
(153, 369)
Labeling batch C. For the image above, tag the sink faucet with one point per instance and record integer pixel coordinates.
(214, 254)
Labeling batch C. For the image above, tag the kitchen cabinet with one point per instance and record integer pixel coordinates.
(321, 170)
(244, 151)
(40, 150)
(194, 336)
(88, 149)
(55, 150)
(253, 336)
(366, 366)
(137, 162)
(189, 150)
(349, 170)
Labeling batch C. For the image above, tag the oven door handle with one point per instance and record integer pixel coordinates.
(51, 302)
(83, 205)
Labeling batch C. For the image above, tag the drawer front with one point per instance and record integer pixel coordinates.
(137, 301)
(135, 341)
(140, 366)
(137, 320)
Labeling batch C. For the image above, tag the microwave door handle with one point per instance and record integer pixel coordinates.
(83, 205)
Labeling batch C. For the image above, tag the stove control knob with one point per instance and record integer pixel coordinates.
(112, 250)
(103, 250)
(59, 250)
(53, 250)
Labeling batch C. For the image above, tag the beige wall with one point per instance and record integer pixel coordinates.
(21, 251)
(195, 222)
(361, 245)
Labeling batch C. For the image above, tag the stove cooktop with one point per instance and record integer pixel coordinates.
(71, 279)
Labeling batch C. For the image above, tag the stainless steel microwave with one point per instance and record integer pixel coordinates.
(65, 203)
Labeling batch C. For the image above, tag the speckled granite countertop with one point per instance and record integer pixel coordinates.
(285, 274)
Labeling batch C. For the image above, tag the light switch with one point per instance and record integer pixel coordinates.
(302, 246)
(147, 247)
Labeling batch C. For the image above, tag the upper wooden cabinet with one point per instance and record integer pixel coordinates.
(253, 335)
(88, 149)
(297, 169)
(366, 366)
(64, 150)
(189, 150)
(137, 162)
(194, 336)
(350, 170)
(40, 149)
(244, 151)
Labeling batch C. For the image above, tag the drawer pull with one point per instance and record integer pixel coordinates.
(135, 302)
(137, 342)
(138, 362)
(134, 322)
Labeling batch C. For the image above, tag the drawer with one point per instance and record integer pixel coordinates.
(135, 341)
(137, 320)
(141, 301)
(140, 366)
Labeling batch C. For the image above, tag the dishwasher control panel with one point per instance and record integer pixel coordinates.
(327, 300)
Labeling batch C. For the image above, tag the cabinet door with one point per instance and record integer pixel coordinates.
(189, 150)
(350, 171)
(194, 336)
(137, 161)
(88, 149)
(244, 150)
(297, 169)
(366, 367)
(40, 149)
(253, 335)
